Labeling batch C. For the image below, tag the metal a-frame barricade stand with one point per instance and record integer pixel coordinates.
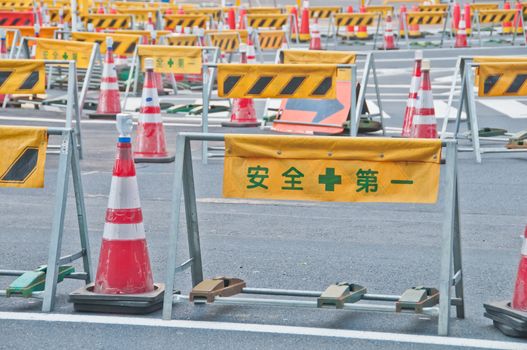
(234, 50)
(68, 162)
(450, 256)
(258, 45)
(291, 24)
(95, 55)
(350, 19)
(468, 104)
(421, 18)
(492, 16)
(73, 103)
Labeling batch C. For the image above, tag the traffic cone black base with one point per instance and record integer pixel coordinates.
(168, 159)
(102, 116)
(240, 124)
(510, 322)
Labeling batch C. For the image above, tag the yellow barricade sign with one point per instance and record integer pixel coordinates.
(52, 49)
(329, 169)
(317, 57)
(16, 3)
(483, 6)
(139, 14)
(380, 9)
(172, 59)
(263, 11)
(267, 21)
(227, 42)
(54, 15)
(277, 81)
(433, 8)
(109, 21)
(425, 18)
(503, 79)
(271, 39)
(182, 40)
(496, 16)
(215, 12)
(322, 12)
(123, 44)
(23, 157)
(355, 19)
(25, 31)
(20, 77)
(173, 21)
(244, 34)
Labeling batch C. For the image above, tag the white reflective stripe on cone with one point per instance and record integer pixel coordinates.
(109, 86)
(150, 118)
(109, 71)
(424, 120)
(124, 193)
(150, 97)
(124, 231)
(524, 248)
(426, 100)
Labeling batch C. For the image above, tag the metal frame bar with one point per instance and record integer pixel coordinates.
(450, 256)
(68, 161)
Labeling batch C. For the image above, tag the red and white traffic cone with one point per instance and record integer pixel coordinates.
(3, 53)
(150, 141)
(517, 22)
(456, 16)
(303, 34)
(243, 113)
(468, 19)
(241, 22)
(362, 31)
(412, 96)
(350, 30)
(461, 35)
(315, 43)
(109, 100)
(294, 20)
(413, 29)
(389, 40)
(402, 18)
(506, 26)
(424, 121)
(124, 263)
(251, 51)
(519, 298)
(231, 18)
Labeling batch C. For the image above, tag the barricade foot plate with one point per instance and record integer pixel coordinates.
(168, 159)
(417, 298)
(338, 294)
(490, 132)
(102, 116)
(84, 299)
(208, 290)
(240, 124)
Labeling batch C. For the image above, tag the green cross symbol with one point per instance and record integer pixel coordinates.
(329, 179)
(65, 56)
(170, 62)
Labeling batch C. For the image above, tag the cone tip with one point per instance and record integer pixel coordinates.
(418, 54)
(109, 42)
(124, 125)
(149, 63)
(425, 65)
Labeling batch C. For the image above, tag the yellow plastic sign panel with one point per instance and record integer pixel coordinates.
(23, 157)
(51, 49)
(182, 40)
(123, 44)
(277, 81)
(20, 77)
(321, 57)
(502, 79)
(172, 59)
(332, 169)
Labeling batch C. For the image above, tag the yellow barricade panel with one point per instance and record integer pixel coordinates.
(380, 9)
(51, 49)
(54, 15)
(172, 59)
(277, 81)
(496, 16)
(267, 21)
(182, 40)
(433, 8)
(45, 32)
(355, 19)
(172, 21)
(322, 12)
(329, 169)
(317, 57)
(139, 14)
(244, 34)
(215, 12)
(226, 42)
(263, 10)
(271, 39)
(109, 21)
(23, 160)
(502, 79)
(123, 44)
(20, 77)
(483, 6)
(425, 18)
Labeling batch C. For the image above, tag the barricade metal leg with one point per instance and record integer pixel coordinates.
(451, 98)
(458, 264)
(205, 113)
(471, 115)
(378, 95)
(58, 222)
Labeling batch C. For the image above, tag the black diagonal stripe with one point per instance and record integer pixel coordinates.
(15, 21)
(115, 45)
(230, 82)
(3, 77)
(274, 41)
(180, 22)
(2, 21)
(369, 21)
(191, 23)
(130, 48)
(323, 87)
(202, 23)
(492, 18)
(90, 20)
(233, 44)
(112, 23)
(262, 22)
(292, 85)
(517, 83)
(22, 167)
(251, 22)
(429, 20)
(100, 23)
(264, 43)
(169, 22)
(490, 82)
(31, 81)
(260, 85)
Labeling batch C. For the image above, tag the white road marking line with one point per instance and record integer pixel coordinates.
(374, 109)
(441, 108)
(265, 329)
(511, 108)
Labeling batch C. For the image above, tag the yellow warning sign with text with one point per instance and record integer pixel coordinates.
(277, 81)
(23, 158)
(51, 49)
(332, 169)
(502, 79)
(22, 77)
(172, 59)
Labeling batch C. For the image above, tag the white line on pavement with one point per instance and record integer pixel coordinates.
(510, 108)
(265, 329)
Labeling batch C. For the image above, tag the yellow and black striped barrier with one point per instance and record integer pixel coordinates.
(18, 77)
(243, 33)
(109, 21)
(433, 8)
(263, 10)
(54, 49)
(172, 59)
(425, 18)
(355, 19)
(16, 4)
(502, 79)
(123, 44)
(323, 12)
(214, 12)
(271, 39)
(267, 21)
(140, 15)
(182, 40)
(383, 9)
(173, 21)
(227, 42)
(54, 14)
(496, 16)
(484, 6)
(277, 81)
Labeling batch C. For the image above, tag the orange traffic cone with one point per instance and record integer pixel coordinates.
(315, 43)
(241, 22)
(412, 96)
(506, 26)
(304, 23)
(150, 140)
(402, 18)
(124, 264)
(109, 101)
(294, 20)
(468, 19)
(243, 113)
(362, 31)
(389, 40)
(456, 16)
(424, 121)
(461, 35)
(231, 18)
(350, 30)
